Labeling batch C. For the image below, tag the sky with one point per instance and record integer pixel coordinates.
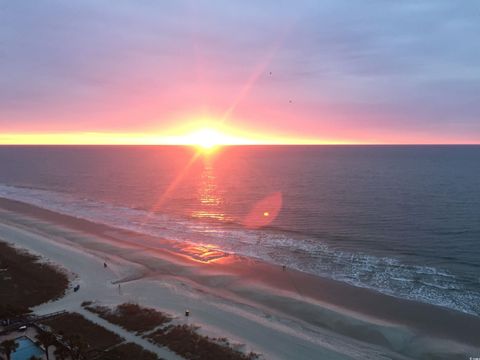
(320, 71)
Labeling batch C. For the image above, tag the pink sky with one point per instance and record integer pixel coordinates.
(273, 72)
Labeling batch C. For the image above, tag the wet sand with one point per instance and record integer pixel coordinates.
(351, 321)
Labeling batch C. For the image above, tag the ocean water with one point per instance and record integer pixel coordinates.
(402, 220)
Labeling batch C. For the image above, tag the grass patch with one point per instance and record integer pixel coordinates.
(128, 351)
(132, 317)
(72, 325)
(182, 339)
(25, 282)
(185, 341)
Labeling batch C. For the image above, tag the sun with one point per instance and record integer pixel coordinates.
(207, 139)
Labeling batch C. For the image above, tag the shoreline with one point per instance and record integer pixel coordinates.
(345, 262)
(404, 327)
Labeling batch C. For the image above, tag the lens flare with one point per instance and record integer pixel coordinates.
(264, 212)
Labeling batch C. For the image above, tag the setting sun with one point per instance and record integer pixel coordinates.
(208, 138)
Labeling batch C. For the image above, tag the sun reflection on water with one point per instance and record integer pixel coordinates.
(210, 198)
(205, 253)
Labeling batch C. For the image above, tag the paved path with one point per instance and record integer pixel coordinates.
(130, 337)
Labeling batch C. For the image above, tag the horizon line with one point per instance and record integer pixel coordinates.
(258, 144)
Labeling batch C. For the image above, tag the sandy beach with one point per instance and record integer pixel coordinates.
(280, 313)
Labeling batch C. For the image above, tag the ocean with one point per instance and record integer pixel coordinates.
(401, 220)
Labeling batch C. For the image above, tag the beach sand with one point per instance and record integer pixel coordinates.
(258, 306)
